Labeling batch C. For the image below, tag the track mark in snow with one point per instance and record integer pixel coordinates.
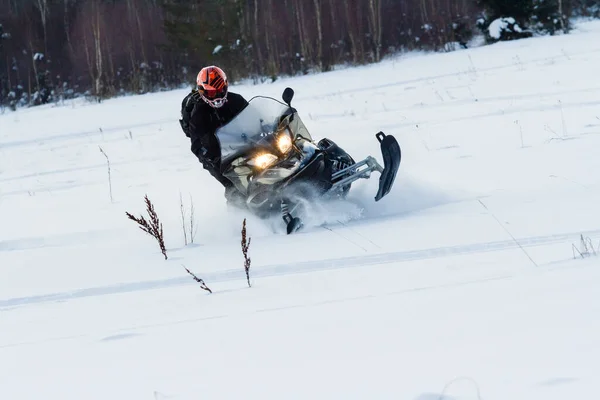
(5, 346)
(557, 381)
(128, 331)
(434, 396)
(58, 240)
(394, 293)
(317, 304)
(95, 132)
(37, 174)
(453, 74)
(303, 267)
(119, 337)
(507, 111)
(115, 335)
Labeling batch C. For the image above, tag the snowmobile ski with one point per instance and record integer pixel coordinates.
(390, 150)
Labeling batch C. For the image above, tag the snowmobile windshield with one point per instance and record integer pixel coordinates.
(251, 128)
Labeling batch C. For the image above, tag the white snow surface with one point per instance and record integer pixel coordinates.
(459, 285)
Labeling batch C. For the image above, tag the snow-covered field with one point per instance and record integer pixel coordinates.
(460, 285)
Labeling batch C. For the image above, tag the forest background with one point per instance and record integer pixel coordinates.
(53, 50)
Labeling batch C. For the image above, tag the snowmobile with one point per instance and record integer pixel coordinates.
(274, 163)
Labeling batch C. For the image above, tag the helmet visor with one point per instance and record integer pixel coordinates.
(216, 98)
(212, 94)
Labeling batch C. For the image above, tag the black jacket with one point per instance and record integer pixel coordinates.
(199, 122)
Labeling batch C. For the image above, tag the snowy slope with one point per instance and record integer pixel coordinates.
(460, 285)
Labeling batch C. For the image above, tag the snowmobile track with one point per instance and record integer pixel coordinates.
(306, 266)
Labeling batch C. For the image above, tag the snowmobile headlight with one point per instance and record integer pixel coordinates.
(263, 160)
(284, 142)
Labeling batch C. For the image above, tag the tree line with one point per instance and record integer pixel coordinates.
(59, 49)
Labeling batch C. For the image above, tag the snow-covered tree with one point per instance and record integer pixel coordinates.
(510, 20)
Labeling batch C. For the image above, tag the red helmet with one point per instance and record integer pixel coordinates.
(212, 85)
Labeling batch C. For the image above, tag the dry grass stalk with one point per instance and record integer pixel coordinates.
(245, 246)
(192, 226)
(182, 208)
(154, 227)
(109, 178)
(199, 280)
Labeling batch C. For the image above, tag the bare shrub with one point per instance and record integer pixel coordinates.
(154, 228)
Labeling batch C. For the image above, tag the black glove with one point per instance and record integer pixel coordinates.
(191, 99)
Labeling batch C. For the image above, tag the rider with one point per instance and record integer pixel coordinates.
(209, 106)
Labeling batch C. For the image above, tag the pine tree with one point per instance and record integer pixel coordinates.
(520, 10)
(512, 16)
(547, 17)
